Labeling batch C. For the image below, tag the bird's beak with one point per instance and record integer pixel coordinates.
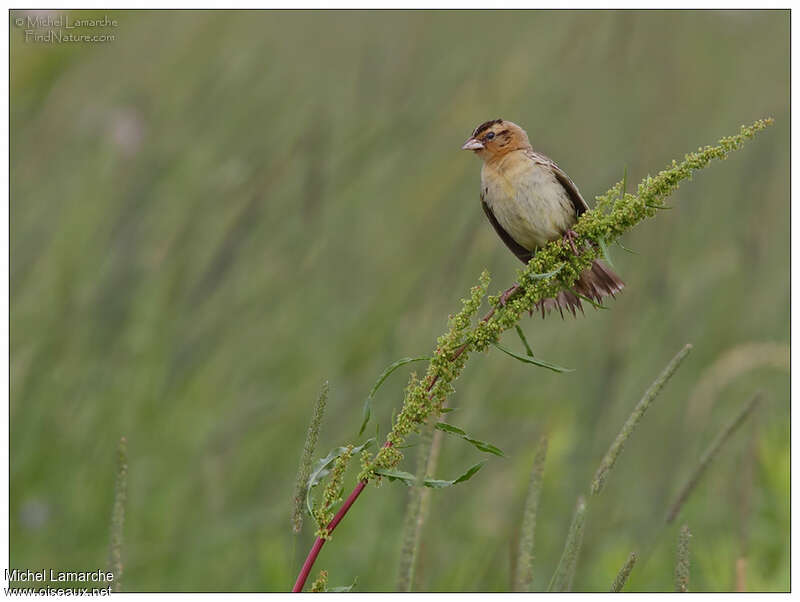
(473, 144)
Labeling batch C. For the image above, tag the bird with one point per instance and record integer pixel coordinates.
(530, 202)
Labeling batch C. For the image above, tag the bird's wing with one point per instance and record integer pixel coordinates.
(521, 252)
(574, 194)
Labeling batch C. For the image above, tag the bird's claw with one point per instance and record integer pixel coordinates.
(570, 236)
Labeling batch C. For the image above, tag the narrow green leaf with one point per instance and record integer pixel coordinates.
(397, 475)
(521, 334)
(409, 479)
(344, 588)
(606, 254)
(530, 360)
(481, 445)
(470, 472)
(547, 274)
(367, 411)
(449, 428)
(323, 466)
(624, 248)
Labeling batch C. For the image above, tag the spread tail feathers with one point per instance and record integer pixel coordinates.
(595, 283)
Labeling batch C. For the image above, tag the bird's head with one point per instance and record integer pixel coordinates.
(493, 139)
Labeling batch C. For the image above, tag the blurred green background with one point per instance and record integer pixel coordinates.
(218, 211)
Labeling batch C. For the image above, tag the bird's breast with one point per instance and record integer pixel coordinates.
(528, 201)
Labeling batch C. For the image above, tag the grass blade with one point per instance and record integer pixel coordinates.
(562, 578)
(524, 570)
(304, 471)
(682, 561)
(630, 424)
(624, 573)
(709, 455)
(367, 412)
(530, 360)
(118, 514)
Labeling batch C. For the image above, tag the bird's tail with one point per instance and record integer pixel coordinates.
(595, 282)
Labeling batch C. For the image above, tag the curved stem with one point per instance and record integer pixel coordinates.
(319, 542)
(315, 549)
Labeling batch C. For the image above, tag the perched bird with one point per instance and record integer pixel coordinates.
(531, 202)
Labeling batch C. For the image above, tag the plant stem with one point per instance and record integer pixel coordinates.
(315, 549)
(118, 514)
(682, 562)
(565, 571)
(709, 455)
(417, 507)
(630, 424)
(524, 566)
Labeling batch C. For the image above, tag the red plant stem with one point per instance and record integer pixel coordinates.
(319, 542)
(312, 555)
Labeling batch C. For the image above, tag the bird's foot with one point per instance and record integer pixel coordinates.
(507, 294)
(570, 236)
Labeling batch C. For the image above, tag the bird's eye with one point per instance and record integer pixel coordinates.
(490, 135)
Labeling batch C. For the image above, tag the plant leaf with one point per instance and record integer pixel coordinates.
(409, 479)
(604, 249)
(367, 412)
(397, 475)
(322, 468)
(624, 248)
(547, 274)
(344, 588)
(535, 362)
(521, 334)
(470, 472)
(481, 445)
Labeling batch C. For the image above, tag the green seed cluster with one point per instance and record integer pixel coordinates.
(615, 213)
(320, 583)
(427, 396)
(332, 494)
